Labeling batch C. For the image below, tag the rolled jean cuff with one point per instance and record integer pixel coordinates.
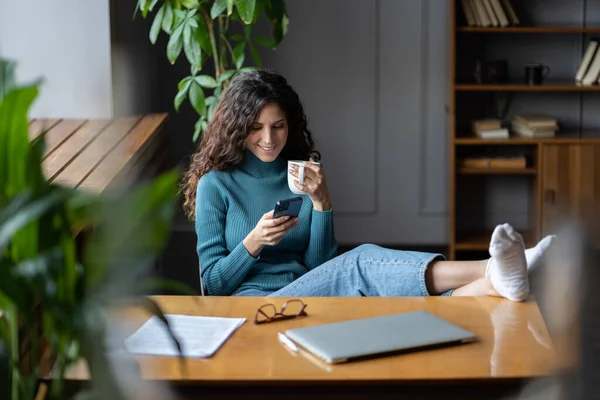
(423, 269)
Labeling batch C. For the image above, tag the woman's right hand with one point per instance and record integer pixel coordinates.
(268, 232)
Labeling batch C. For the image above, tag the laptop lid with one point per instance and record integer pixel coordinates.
(342, 341)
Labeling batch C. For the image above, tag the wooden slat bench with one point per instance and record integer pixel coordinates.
(98, 154)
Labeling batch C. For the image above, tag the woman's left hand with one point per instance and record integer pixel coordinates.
(315, 185)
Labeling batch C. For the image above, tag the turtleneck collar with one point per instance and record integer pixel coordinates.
(260, 169)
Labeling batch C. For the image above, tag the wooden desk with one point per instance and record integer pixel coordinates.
(513, 345)
(96, 154)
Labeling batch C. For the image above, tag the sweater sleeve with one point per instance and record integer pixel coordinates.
(322, 245)
(222, 271)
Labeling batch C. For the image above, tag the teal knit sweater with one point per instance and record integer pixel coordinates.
(229, 204)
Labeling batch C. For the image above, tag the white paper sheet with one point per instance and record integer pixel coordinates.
(198, 336)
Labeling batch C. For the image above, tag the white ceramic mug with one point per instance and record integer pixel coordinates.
(291, 178)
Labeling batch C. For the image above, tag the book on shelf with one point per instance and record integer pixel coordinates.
(489, 129)
(534, 126)
(587, 59)
(486, 13)
(482, 162)
(588, 72)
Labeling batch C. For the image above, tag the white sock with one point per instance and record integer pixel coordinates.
(533, 254)
(508, 264)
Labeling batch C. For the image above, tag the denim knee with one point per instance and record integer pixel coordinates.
(364, 248)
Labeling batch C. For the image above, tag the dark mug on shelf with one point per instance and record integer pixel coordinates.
(535, 73)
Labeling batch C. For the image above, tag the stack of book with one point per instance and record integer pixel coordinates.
(588, 72)
(489, 129)
(534, 126)
(487, 13)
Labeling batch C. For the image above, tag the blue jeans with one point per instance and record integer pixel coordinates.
(368, 270)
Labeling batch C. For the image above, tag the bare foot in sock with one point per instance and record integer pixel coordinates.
(533, 254)
(508, 264)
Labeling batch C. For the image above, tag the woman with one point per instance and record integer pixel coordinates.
(240, 170)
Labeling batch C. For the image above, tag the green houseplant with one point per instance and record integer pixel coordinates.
(216, 34)
(42, 269)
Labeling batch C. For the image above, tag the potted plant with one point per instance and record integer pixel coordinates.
(213, 34)
(51, 283)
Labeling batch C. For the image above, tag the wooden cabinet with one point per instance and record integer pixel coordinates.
(570, 186)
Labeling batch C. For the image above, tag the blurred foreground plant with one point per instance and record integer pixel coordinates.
(49, 285)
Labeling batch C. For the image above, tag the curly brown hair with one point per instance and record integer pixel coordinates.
(223, 141)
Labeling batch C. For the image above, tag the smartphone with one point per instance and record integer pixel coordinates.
(290, 207)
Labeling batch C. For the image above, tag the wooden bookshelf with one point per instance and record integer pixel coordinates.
(564, 138)
(562, 177)
(527, 29)
(492, 171)
(556, 85)
(480, 239)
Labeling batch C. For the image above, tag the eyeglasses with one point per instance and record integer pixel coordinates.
(290, 309)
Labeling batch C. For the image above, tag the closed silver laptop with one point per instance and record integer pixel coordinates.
(343, 341)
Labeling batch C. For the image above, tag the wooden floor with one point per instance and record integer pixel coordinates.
(94, 154)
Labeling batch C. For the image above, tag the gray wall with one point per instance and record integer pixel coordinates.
(66, 42)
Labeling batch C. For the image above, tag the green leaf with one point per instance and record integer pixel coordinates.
(246, 10)
(157, 24)
(207, 81)
(152, 4)
(255, 55)
(26, 214)
(14, 141)
(190, 3)
(196, 95)
(211, 109)
(182, 94)
(226, 75)
(275, 10)
(230, 7)
(191, 47)
(238, 37)
(263, 41)
(198, 128)
(143, 5)
(218, 7)
(175, 44)
(260, 6)
(147, 6)
(201, 35)
(285, 22)
(277, 15)
(183, 82)
(168, 18)
(239, 55)
(179, 14)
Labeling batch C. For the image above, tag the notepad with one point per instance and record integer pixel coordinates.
(199, 336)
